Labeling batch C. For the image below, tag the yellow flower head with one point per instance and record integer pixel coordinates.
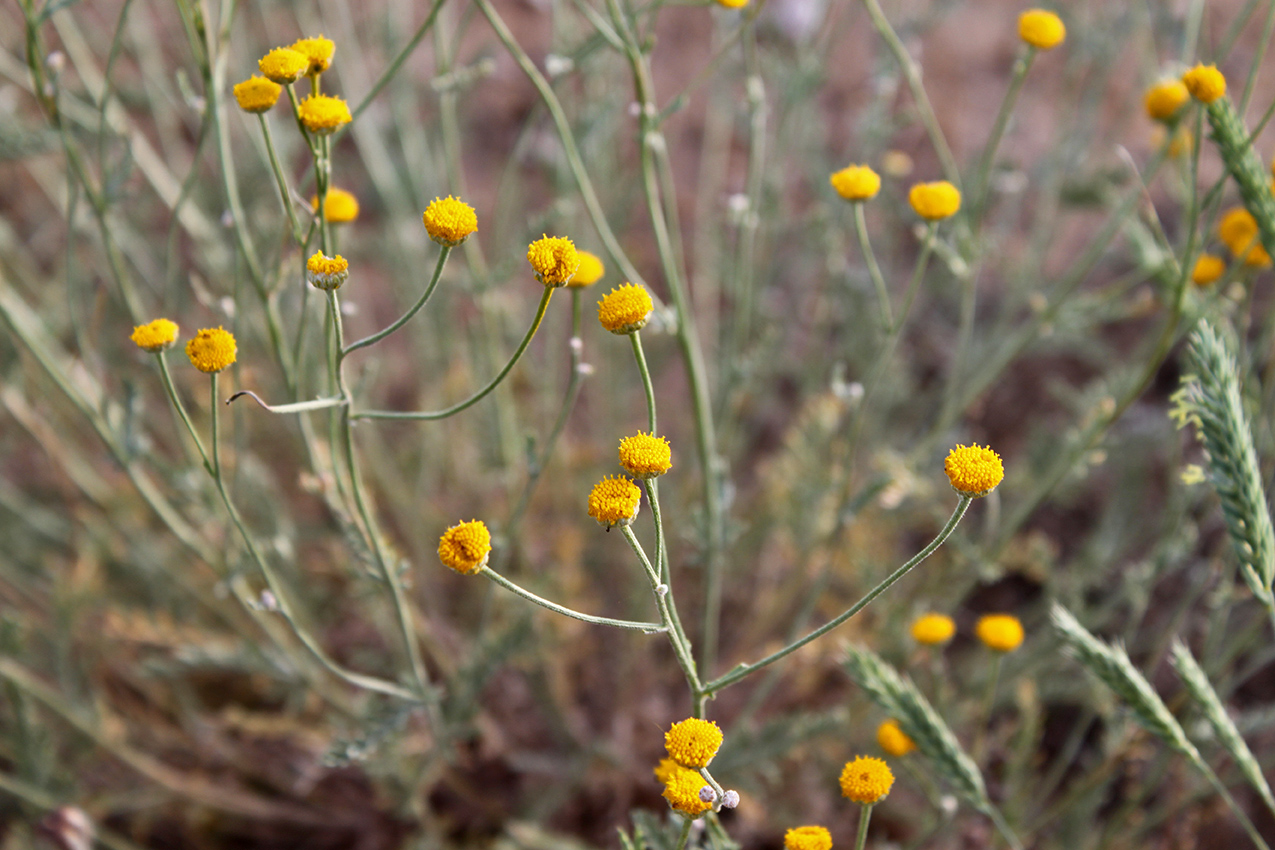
(554, 258)
(1163, 100)
(866, 780)
(318, 50)
(449, 221)
(283, 65)
(1205, 83)
(935, 201)
(625, 309)
(212, 350)
(156, 336)
(257, 94)
(644, 456)
(682, 788)
(733, 4)
(933, 629)
(665, 770)
(465, 547)
(808, 838)
(1001, 632)
(693, 742)
(326, 273)
(1208, 268)
(339, 207)
(614, 501)
(973, 470)
(1041, 29)
(1237, 229)
(1256, 257)
(589, 272)
(894, 740)
(323, 115)
(856, 182)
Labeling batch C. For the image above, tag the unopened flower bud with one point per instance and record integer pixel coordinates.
(707, 794)
(730, 799)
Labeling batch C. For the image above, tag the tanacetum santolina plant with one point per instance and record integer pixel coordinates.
(625, 309)
(465, 547)
(589, 272)
(644, 456)
(156, 336)
(693, 742)
(554, 259)
(339, 207)
(1205, 83)
(1164, 100)
(1208, 268)
(935, 201)
(318, 50)
(257, 94)
(614, 501)
(326, 273)
(283, 65)
(1001, 632)
(682, 790)
(449, 221)
(866, 780)
(893, 740)
(1041, 29)
(808, 838)
(323, 115)
(973, 470)
(933, 629)
(212, 350)
(856, 182)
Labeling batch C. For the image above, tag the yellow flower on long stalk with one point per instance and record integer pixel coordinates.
(257, 94)
(866, 780)
(465, 547)
(933, 629)
(283, 65)
(156, 336)
(449, 221)
(212, 350)
(856, 183)
(323, 115)
(973, 470)
(318, 51)
(339, 207)
(1000, 632)
(693, 742)
(326, 273)
(614, 501)
(1041, 29)
(554, 259)
(644, 456)
(625, 309)
(935, 201)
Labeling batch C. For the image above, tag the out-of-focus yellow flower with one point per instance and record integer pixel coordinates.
(894, 740)
(614, 501)
(1208, 268)
(1001, 632)
(589, 272)
(973, 470)
(856, 182)
(897, 163)
(257, 94)
(283, 65)
(212, 350)
(1164, 99)
(1041, 29)
(808, 838)
(326, 273)
(318, 51)
(449, 221)
(933, 629)
(866, 780)
(625, 309)
(1205, 83)
(156, 336)
(339, 207)
(733, 4)
(935, 201)
(323, 115)
(1192, 473)
(465, 547)
(1239, 233)
(644, 456)
(693, 742)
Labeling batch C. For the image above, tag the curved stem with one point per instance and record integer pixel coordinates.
(280, 180)
(412, 311)
(983, 176)
(874, 270)
(681, 649)
(649, 628)
(181, 409)
(476, 397)
(636, 339)
(745, 669)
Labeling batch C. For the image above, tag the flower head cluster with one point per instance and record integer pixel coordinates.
(808, 838)
(156, 336)
(283, 65)
(212, 350)
(554, 258)
(894, 740)
(326, 273)
(933, 629)
(318, 51)
(644, 456)
(257, 94)
(465, 547)
(589, 272)
(323, 115)
(866, 780)
(1205, 83)
(339, 206)
(682, 788)
(973, 470)
(1001, 632)
(1239, 233)
(625, 309)
(856, 182)
(449, 221)
(1165, 99)
(693, 742)
(1208, 268)
(935, 201)
(614, 501)
(1041, 29)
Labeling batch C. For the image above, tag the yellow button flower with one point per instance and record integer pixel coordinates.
(212, 350)
(856, 182)
(808, 838)
(693, 742)
(554, 258)
(339, 207)
(866, 780)
(155, 336)
(318, 51)
(449, 221)
(323, 115)
(682, 788)
(933, 629)
(935, 201)
(1237, 229)
(644, 456)
(326, 273)
(973, 470)
(614, 501)
(1041, 29)
(589, 272)
(1208, 268)
(257, 94)
(1205, 83)
(465, 547)
(625, 309)
(283, 65)
(1163, 100)
(1001, 632)
(733, 4)
(894, 740)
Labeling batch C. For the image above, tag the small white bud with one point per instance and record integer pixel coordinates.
(635, 109)
(268, 601)
(577, 344)
(707, 794)
(556, 66)
(55, 62)
(661, 590)
(585, 368)
(730, 799)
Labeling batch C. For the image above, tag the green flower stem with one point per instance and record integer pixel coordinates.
(636, 339)
(861, 838)
(983, 174)
(649, 628)
(415, 308)
(745, 669)
(977, 751)
(181, 409)
(998, 820)
(685, 835)
(280, 179)
(714, 784)
(370, 683)
(395, 65)
(681, 648)
(912, 74)
(874, 270)
(476, 397)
